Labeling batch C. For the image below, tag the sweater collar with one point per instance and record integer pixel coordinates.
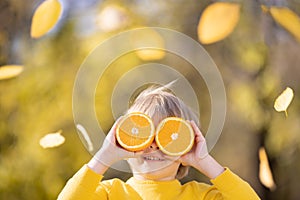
(134, 181)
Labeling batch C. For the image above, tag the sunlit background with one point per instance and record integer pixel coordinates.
(255, 45)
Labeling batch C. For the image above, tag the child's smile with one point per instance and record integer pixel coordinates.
(153, 158)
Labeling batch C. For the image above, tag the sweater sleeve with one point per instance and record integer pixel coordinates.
(233, 187)
(83, 185)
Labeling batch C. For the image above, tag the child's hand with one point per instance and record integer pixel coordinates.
(199, 158)
(110, 152)
(199, 150)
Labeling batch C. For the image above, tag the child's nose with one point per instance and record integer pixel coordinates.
(153, 147)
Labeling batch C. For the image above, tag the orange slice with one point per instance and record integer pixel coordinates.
(174, 136)
(135, 132)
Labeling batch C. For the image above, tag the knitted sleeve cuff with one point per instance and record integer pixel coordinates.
(87, 177)
(227, 180)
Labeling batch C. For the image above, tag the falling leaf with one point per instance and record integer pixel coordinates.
(52, 140)
(287, 19)
(10, 71)
(264, 8)
(152, 42)
(45, 17)
(283, 100)
(265, 173)
(218, 21)
(86, 137)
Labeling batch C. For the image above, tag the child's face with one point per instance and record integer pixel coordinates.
(153, 163)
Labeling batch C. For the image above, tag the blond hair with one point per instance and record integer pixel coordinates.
(160, 102)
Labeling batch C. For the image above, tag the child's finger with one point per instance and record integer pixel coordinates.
(197, 131)
(111, 136)
(114, 127)
(197, 139)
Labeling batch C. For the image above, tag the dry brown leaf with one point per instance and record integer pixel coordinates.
(283, 101)
(287, 19)
(45, 17)
(10, 71)
(265, 173)
(218, 21)
(52, 140)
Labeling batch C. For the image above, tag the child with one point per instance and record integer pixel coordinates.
(155, 175)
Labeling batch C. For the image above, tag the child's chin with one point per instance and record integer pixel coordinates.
(151, 173)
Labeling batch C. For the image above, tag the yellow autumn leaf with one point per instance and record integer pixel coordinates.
(45, 17)
(264, 8)
(283, 101)
(10, 71)
(153, 42)
(218, 20)
(86, 137)
(265, 173)
(52, 140)
(287, 19)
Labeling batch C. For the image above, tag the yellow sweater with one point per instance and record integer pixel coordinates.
(87, 185)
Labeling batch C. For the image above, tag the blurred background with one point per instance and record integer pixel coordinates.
(258, 59)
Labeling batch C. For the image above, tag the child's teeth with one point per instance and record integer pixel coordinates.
(152, 158)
